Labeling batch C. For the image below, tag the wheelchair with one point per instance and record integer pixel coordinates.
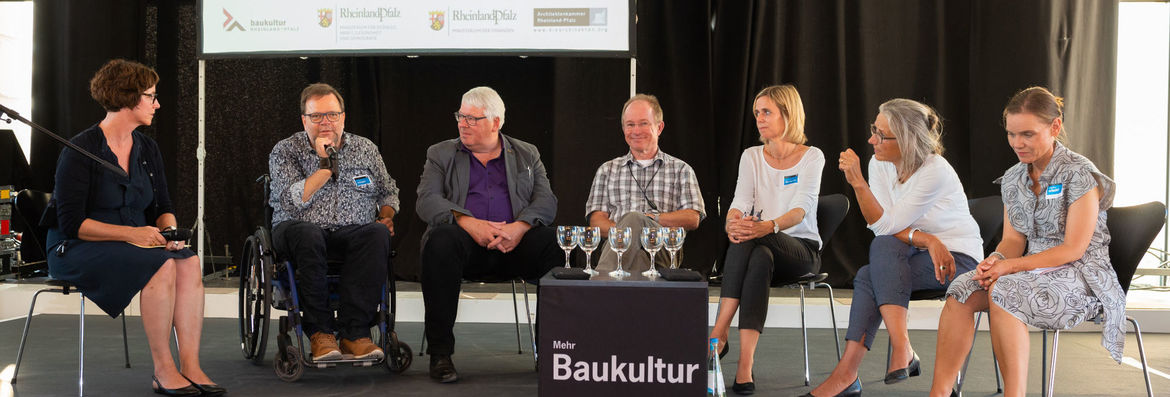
(267, 282)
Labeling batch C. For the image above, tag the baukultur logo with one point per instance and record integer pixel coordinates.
(230, 23)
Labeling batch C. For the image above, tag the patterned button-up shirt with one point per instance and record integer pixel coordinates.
(361, 187)
(622, 186)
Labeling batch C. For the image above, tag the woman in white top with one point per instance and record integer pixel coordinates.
(915, 205)
(771, 224)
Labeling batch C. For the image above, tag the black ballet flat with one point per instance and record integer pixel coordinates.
(743, 389)
(854, 390)
(207, 390)
(185, 391)
(898, 375)
(726, 348)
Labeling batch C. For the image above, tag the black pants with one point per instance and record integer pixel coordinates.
(366, 251)
(450, 255)
(750, 268)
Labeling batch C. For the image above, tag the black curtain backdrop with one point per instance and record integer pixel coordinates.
(705, 60)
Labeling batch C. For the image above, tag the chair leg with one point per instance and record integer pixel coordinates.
(1052, 362)
(833, 314)
(81, 348)
(1142, 352)
(125, 343)
(1043, 362)
(998, 381)
(516, 315)
(804, 334)
(24, 334)
(970, 352)
(423, 344)
(528, 315)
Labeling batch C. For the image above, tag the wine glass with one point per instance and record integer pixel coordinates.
(619, 242)
(652, 240)
(674, 242)
(590, 237)
(566, 241)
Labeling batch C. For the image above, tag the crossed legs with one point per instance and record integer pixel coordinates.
(174, 298)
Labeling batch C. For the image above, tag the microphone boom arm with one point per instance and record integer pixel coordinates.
(12, 113)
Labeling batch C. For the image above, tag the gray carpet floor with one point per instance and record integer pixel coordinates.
(489, 366)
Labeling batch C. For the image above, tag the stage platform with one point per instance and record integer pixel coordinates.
(488, 362)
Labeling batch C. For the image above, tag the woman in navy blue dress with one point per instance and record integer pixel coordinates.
(107, 239)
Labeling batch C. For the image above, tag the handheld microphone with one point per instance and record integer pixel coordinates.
(179, 234)
(329, 150)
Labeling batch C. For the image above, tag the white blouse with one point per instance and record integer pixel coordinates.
(931, 200)
(775, 192)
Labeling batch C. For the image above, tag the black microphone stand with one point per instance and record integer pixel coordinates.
(12, 113)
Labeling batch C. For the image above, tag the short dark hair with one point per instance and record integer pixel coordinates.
(320, 89)
(120, 83)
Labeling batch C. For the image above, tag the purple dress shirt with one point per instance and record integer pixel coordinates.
(487, 190)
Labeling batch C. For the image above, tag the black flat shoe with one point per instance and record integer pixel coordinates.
(442, 369)
(726, 348)
(188, 391)
(899, 375)
(207, 390)
(854, 390)
(743, 389)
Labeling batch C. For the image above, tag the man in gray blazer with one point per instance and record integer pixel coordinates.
(487, 204)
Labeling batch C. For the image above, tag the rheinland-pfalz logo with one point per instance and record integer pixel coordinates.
(325, 17)
(436, 20)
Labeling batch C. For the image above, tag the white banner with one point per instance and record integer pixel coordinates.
(339, 27)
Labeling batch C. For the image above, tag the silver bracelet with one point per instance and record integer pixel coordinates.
(996, 253)
(912, 236)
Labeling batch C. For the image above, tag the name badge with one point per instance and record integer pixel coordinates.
(789, 180)
(1054, 191)
(361, 180)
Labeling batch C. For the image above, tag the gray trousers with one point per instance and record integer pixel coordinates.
(751, 267)
(895, 270)
(635, 259)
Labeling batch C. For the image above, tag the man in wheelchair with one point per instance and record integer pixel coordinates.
(331, 192)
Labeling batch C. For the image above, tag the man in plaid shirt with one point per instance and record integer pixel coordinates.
(644, 188)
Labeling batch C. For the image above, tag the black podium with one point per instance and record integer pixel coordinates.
(630, 337)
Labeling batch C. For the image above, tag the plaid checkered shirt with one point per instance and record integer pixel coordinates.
(668, 182)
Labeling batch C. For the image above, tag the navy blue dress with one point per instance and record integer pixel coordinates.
(109, 273)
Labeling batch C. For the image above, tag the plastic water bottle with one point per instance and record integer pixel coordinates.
(715, 386)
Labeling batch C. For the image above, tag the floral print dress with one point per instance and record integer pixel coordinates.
(1065, 295)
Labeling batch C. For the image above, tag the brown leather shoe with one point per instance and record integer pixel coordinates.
(324, 346)
(361, 349)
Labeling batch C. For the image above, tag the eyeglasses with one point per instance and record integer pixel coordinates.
(471, 120)
(317, 118)
(153, 97)
(873, 130)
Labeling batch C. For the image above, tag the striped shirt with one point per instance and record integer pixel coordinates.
(622, 186)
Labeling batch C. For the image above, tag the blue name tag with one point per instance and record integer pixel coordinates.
(361, 180)
(788, 180)
(1054, 191)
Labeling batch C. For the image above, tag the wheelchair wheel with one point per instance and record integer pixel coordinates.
(398, 355)
(288, 365)
(255, 296)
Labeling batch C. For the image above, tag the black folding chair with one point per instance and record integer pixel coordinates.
(831, 210)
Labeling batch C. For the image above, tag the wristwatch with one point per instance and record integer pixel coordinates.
(775, 227)
(324, 163)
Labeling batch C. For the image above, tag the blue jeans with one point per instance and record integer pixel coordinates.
(895, 269)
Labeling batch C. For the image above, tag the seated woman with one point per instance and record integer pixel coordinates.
(915, 205)
(107, 241)
(1052, 268)
(771, 224)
